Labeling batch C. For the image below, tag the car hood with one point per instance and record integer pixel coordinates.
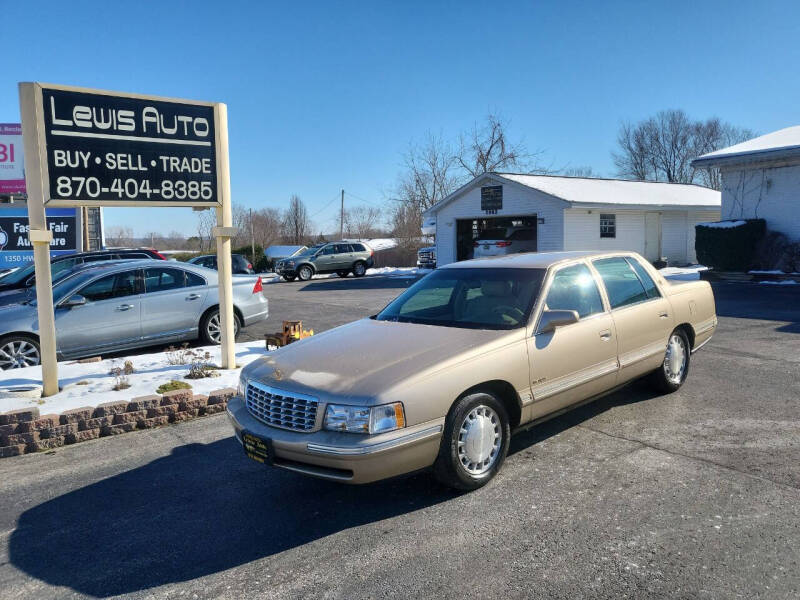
(365, 359)
(15, 296)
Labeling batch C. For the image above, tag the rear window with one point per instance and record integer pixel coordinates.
(496, 233)
(193, 280)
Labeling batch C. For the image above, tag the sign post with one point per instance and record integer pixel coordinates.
(87, 147)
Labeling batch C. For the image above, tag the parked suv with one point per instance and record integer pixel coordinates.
(241, 266)
(499, 241)
(426, 258)
(341, 258)
(24, 277)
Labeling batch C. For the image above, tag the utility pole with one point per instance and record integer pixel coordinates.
(252, 240)
(341, 220)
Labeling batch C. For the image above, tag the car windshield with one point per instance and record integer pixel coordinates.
(475, 298)
(19, 275)
(64, 285)
(311, 250)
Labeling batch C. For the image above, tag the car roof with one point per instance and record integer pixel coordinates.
(138, 263)
(530, 260)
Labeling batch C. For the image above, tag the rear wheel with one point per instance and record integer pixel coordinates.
(359, 269)
(19, 351)
(342, 273)
(305, 273)
(673, 371)
(211, 327)
(475, 442)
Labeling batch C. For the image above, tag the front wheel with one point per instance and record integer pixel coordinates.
(305, 273)
(673, 371)
(19, 351)
(359, 269)
(475, 442)
(211, 327)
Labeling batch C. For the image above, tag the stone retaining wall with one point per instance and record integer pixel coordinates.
(24, 430)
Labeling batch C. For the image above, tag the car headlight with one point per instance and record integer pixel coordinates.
(363, 419)
(241, 388)
(288, 263)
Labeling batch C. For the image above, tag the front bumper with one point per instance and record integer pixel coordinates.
(344, 457)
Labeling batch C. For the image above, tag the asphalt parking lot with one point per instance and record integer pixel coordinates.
(692, 495)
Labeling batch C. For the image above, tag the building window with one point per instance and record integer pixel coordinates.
(608, 226)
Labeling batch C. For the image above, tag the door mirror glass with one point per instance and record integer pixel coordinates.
(74, 300)
(551, 319)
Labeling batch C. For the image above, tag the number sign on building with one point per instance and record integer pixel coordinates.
(492, 199)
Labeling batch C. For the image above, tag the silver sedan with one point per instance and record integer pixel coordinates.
(126, 305)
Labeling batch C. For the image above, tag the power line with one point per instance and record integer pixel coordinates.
(364, 200)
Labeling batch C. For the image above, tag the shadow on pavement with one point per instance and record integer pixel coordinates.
(199, 511)
(362, 283)
(755, 301)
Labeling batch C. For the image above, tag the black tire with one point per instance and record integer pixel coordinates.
(289, 277)
(450, 467)
(18, 351)
(342, 273)
(209, 326)
(359, 268)
(305, 273)
(665, 379)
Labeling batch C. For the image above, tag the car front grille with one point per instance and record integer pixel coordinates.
(277, 408)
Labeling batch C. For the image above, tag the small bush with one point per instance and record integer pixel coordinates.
(731, 248)
(173, 385)
(184, 256)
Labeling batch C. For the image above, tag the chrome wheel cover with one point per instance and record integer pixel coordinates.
(17, 354)
(305, 273)
(479, 440)
(675, 359)
(359, 269)
(214, 328)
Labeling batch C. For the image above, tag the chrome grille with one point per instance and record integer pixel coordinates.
(281, 409)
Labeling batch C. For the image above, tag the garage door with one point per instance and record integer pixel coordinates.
(519, 231)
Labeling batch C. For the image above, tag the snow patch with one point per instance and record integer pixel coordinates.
(89, 384)
(690, 273)
(381, 243)
(723, 224)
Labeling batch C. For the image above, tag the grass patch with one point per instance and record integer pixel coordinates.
(173, 385)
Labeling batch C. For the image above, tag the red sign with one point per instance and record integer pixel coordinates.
(12, 170)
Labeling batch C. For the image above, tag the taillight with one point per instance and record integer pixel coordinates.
(259, 286)
(159, 255)
(249, 266)
(503, 244)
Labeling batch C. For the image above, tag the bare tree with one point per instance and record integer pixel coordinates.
(581, 171)
(296, 224)
(206, 220)
(362, 221)
(118, 236)
(661, 148)
(486, 148)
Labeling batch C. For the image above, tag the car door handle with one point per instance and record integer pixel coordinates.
(125, 307)
(663, 315)
(192, 296)
(605, 335)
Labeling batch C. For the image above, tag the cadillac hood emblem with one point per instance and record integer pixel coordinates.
(277, 374)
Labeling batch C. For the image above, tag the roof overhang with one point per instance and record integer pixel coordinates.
(776, 157)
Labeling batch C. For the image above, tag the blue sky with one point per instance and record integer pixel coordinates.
(324, 96)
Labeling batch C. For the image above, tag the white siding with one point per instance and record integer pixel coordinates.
(582, 230)
(770, 194)
(517, 201)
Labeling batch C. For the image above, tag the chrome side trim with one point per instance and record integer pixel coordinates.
(345, 451)
(580, 378)
(630, 358)
(696, 348)
(705, 326)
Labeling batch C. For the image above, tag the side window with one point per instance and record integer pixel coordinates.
(343, 248)
(193, 280)
(159, 280)
(574, 288)
(608, 225)
(644, 277)
(328, 250)
(622, 283)
(358, 248)
(117, 285)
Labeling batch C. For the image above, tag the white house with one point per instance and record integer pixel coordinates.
(575, 213)
(761, 179)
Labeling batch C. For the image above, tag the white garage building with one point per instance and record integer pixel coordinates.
(575, 213)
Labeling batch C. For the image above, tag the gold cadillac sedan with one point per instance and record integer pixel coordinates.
(468, 355)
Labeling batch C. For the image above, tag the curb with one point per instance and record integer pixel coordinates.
(24, 431)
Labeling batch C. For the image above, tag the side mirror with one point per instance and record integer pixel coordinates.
(76, 300)
(556, 318)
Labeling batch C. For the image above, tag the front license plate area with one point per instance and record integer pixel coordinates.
(257, 448)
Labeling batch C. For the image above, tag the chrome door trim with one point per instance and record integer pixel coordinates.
(630, 358)
(575, 379)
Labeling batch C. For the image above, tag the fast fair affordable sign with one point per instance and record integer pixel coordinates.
(16, 249)
(12, 170)
(112, 149)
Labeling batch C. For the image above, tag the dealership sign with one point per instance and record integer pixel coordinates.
(16, 249)
(12, 170)
(106, 149)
